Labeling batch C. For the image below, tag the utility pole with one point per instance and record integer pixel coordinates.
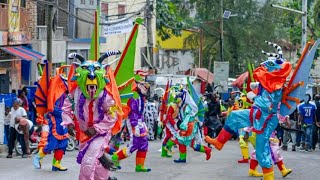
(49, 34)
(201, 48)
(149, 31)
(303, 19)
(221, 31)
(304, 24)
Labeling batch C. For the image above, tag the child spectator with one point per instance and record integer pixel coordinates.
(7, 116)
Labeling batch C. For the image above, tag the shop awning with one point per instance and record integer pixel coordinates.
(23, 52)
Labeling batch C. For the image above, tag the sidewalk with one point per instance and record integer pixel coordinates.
(3, 148)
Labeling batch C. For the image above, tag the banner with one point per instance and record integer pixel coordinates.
(221, 75)
(14, 15)
(119, 28)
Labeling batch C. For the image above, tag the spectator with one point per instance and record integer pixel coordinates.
(23, 97)
(306, 118)
(24, 127)
(316, 125)
(16, 111)
(291, 123)
(13, 91)
(150, 115)
(212, 123)
(7, 116)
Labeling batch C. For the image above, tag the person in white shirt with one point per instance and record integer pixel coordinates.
(24, 127)
(16, 111)
(7, 116)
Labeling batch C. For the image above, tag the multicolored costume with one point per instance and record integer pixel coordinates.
(96, 101)
(50, 97)
(138, 133)
(188, 133)
(271, 78)
(275, 154)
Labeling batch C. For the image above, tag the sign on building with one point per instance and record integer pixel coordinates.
(221, 75)
(119, 28)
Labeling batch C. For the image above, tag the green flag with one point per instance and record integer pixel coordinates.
(124, 73)
(95, 43)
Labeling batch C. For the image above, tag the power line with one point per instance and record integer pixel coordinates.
(105, 23)
(91, 22)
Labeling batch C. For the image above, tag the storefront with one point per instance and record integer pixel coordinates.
(16, 63)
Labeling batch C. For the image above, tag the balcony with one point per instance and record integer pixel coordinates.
(24, 18)
(42, 33)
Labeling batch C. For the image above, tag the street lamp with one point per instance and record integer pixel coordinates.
(225, 15)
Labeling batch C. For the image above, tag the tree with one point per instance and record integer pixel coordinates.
(244, 34)
(169, 18)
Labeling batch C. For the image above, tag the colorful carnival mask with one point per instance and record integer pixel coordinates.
(275, 60)
(91, 75)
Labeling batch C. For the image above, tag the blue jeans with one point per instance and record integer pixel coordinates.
(6, 132)
(308, 135)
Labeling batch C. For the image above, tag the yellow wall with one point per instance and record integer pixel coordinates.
(174, 42)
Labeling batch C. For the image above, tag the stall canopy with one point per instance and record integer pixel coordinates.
(23, 52)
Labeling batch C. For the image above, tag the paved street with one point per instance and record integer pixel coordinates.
(222, 166)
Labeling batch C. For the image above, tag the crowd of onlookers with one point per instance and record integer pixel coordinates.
(301, 128)
(17, 124)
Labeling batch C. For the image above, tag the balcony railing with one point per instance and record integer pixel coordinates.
(42, 33)
(4, 24)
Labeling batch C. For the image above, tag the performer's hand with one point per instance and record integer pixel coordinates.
(90, 132)
(71, 129)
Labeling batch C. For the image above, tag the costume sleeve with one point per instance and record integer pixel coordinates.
(110, 116)
(67, 112)
(170, 117)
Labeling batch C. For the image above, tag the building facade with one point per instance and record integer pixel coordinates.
(17, 56)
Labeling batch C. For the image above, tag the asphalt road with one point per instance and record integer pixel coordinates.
(222, 166)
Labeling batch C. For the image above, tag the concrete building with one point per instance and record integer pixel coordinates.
(115, 41)
(17, 56)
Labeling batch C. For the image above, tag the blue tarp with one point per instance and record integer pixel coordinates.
(8, 98)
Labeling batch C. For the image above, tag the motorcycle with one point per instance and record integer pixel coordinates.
(35, 139)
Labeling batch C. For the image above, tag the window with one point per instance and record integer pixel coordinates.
(104, 10)
(23, 3)
(121, 10)
(83, 1)
(91, 2)
(84, 53)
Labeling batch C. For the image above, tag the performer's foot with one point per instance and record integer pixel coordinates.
(166, 155)
(254, 173)
(243, 161)
(208, 153)
(59, 168)
(286, 172)
(164, 152)
(214, 142)
(36, 162)
(168, 150)
(179, 160)
(142, 169)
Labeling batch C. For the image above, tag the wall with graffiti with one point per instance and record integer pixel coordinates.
(173, 61)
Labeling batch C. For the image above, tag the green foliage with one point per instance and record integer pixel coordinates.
(244, 33)
(169, 18)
